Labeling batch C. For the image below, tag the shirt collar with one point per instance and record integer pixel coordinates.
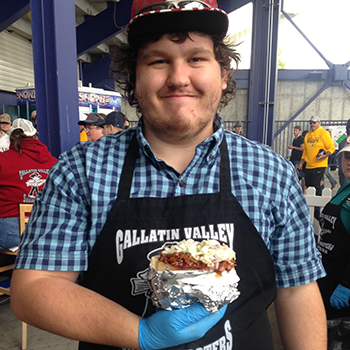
(209, 147)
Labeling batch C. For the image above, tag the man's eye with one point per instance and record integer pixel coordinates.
(158, 62)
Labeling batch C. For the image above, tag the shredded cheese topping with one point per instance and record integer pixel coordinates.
(210, 252)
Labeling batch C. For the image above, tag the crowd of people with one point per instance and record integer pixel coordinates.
(97, 125)
(313, 153)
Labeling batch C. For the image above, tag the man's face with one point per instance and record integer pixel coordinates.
(296, 132)
(314, 125)
(346, 164)
(238, 129)
(93, 132)
(179, 87)
(5, 127)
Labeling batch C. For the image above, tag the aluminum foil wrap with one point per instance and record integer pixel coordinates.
(179, 289)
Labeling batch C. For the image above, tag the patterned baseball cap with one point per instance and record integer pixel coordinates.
(156, 17)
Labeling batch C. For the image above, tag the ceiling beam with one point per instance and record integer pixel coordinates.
(11, 11)
(23, 28)
(86, 7)
(103, 26)
(232, 5)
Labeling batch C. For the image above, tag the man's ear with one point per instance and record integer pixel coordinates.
(224, 78)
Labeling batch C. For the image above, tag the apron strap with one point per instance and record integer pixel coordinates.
(225, 178)
(124, 187)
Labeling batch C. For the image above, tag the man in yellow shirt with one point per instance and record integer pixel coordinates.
(318, 146)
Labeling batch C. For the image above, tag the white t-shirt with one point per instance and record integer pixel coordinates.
(4, 142)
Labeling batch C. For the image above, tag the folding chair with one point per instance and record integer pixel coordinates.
(24, 210)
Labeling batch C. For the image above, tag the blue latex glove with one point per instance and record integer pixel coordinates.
(340, 297)
(165, 329)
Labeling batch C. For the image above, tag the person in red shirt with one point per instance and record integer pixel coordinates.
(23, 168)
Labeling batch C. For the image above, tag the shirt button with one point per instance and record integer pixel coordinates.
(181, 183)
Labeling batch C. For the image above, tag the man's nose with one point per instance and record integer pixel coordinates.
(178, 75)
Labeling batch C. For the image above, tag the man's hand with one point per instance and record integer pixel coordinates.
(340, 297)
(165, 329)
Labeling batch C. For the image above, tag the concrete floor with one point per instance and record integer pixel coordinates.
(11, 339)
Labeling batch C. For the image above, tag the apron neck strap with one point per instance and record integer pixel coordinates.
(225, 176)
(128, 169)
(130, 160)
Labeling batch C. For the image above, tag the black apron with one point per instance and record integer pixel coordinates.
(136, 228)
(334, 246)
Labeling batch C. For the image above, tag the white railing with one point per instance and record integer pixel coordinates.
(317, 201)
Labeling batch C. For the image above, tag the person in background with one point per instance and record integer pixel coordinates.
(297, 146)
(331, 160)
(34, 119)
(237, 128)
(5, 124)
(83, 136)
(93, 131)
(318, 146)
(342, 178)
(334, 245)
(24, 169)
(179, 174)
(113, 123)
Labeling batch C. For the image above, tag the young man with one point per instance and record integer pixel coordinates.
(318, 146)
(93, 131)
(178, 175)
(297, 147)
(238, 128)
(114, 123)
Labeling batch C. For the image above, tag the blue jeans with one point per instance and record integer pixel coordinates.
(330, 177)
(9, 233)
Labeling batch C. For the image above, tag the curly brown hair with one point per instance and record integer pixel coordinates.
(123, 64)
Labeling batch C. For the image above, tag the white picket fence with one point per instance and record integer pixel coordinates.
(317, 201)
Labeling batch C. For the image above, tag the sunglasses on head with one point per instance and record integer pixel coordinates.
(180, 4)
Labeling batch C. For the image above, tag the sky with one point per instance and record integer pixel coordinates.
(324, 22)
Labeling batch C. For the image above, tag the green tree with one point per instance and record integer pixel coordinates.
(281, 62)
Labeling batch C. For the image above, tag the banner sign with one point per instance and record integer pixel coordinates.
(103, 101)
(25, 96)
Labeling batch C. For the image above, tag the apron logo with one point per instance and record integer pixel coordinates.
(324, 247)
(331, 219)
(135, 237)
(223, 343)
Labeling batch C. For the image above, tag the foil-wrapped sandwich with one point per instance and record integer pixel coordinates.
(190, 271)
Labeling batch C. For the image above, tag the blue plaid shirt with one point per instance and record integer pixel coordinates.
(71, 210)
